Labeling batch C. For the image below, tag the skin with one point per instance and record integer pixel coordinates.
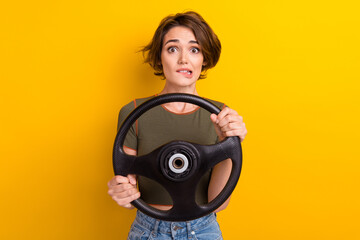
(182, 61)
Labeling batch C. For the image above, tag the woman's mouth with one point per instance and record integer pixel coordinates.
(185, 72)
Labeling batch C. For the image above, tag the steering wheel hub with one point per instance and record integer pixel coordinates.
(178, 161)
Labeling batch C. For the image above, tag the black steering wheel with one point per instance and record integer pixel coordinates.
(178, 165)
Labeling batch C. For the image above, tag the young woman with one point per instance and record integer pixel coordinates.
(183, 48)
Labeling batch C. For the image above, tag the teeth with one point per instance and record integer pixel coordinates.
(184, 71)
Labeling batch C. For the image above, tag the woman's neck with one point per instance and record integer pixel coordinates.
(179, 107)
(179, 89)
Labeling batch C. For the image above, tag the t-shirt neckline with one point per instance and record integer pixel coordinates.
(185, 113)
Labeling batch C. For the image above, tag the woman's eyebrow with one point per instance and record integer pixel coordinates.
(172, 40)
(194, 41)
(177, 40)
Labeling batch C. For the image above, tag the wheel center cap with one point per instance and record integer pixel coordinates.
(178, 161)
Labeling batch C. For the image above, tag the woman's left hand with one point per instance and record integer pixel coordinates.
(229, 123)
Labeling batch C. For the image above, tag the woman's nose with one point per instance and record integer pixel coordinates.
(183, 58)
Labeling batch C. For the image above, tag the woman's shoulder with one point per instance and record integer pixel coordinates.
(139, 101)
(134, 103)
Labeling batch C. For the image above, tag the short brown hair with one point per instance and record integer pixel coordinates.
(209, 42)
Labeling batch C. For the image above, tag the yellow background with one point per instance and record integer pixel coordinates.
(290, 68)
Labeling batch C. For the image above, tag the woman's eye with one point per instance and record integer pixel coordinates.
(171, 49)
(195, 50)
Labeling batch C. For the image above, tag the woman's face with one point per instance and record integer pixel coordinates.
(181, 57)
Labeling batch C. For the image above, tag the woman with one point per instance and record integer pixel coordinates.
(183, 48)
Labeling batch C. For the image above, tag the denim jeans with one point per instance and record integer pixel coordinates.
(145, 227)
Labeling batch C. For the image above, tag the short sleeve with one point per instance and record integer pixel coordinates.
(131, 137)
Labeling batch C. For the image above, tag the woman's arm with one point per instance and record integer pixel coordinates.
(123, 189)
(227, 123)
(219, 176)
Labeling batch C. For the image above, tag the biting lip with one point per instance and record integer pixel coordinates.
(184, 71)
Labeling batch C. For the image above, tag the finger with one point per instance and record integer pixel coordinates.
(132, 178)
(129, 206)
(230, 118)
(213, 117)
(222, 114)
(127, 200)
(218, 131)
(120, 188)
(232, 133)
(125, 194)
(238, 132)
(231, 126)
(226, 112)
(117, 180)
(243, 133)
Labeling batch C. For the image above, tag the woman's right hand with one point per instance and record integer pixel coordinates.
(123, 190)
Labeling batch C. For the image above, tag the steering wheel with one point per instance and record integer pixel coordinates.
(178, 165)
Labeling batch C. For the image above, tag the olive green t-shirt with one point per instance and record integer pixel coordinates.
(159, 126)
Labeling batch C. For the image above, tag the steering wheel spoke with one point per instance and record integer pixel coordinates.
(147, 167)
(210, 155)
(183, 193)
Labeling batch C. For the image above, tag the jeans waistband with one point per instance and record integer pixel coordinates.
(166, 226)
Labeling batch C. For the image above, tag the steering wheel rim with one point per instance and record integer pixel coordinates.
(183, 209)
